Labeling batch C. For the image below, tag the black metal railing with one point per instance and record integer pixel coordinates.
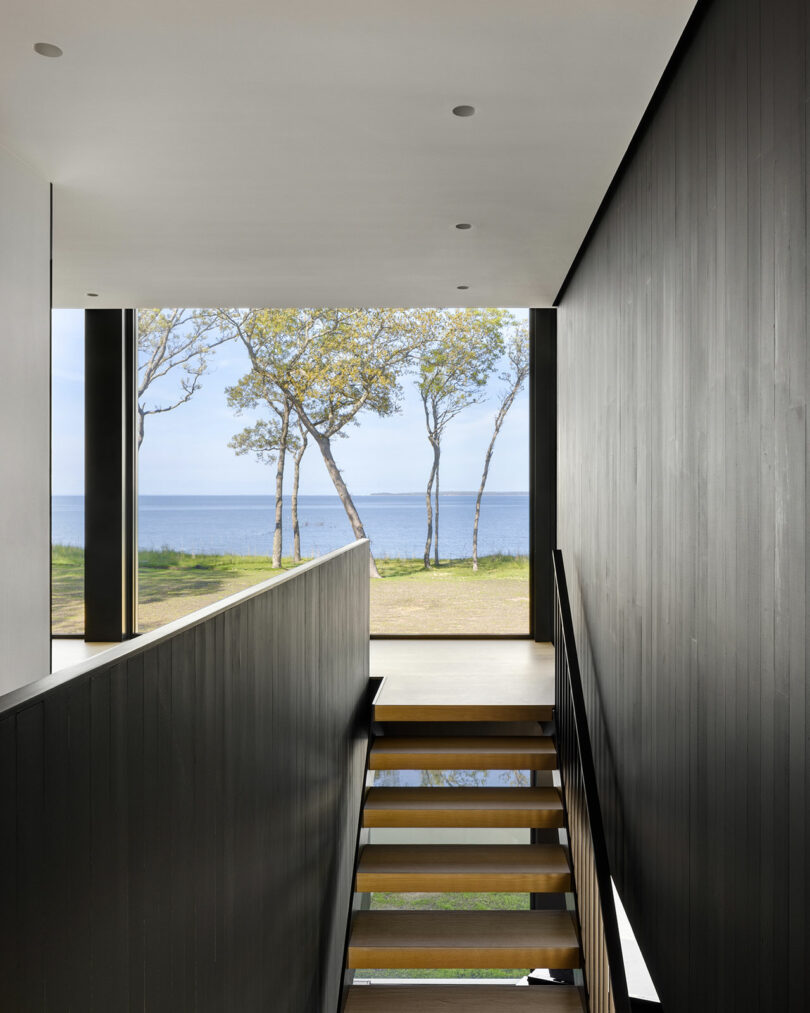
(605, 980)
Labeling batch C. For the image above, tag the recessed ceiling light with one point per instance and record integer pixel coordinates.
(47, 49)
(464, 225)
(462, 287)
(464, 111)
(92, 295)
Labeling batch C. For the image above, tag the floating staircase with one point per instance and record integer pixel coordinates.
(545, 938)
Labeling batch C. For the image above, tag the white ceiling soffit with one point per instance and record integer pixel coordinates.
(304, 153)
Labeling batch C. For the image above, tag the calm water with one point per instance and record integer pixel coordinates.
(243, 525)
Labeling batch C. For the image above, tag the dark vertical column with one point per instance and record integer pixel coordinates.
(543, 466)
(109, 482)
(130, 472)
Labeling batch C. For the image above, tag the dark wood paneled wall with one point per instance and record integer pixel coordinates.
(178, 823)
(683, 514)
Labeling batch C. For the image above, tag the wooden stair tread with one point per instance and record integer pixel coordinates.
(462, 712)
(462, 929)
(462, 807)
(464, 999)
(448, 868)
(414, 939)
(501, 752)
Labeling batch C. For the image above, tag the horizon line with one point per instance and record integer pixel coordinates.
(270, 495)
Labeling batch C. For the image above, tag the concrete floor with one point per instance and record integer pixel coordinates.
(479, 673)
(454, 658)
(66, 653)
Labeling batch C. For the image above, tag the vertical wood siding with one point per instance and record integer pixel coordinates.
(177, 828)
(683, 515)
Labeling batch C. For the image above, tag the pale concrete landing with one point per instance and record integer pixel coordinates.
(463, 680)
(66, 653)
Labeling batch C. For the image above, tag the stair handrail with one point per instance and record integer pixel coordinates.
(605, 980)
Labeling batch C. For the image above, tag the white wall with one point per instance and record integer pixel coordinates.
(24, 425)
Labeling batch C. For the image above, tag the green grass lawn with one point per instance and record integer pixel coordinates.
(500, 567)
(170, 584)
(167, 574)
(450, 902)
(450, 598)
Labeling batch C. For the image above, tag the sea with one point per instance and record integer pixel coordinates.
(243, 525)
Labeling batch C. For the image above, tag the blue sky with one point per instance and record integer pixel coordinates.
(185, 452)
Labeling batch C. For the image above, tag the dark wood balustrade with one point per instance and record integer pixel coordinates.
(178, 816)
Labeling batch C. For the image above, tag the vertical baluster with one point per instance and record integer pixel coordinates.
(594, 932)
(600, 944)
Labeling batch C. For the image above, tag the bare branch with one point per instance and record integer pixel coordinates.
(170, 340)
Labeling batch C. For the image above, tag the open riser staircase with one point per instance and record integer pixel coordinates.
(429, 939)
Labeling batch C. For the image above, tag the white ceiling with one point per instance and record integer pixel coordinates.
(269, 152)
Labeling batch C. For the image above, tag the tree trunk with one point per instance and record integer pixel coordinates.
(282, 454)
(436, 452)
(294, 504)
(505, 406)
(429, 507)
(487, 459)
(325, 447)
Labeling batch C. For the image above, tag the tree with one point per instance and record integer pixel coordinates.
(269, 440)
(332, 364)
(299, 453)
(459, 349)
(173, 339)
(517, 350)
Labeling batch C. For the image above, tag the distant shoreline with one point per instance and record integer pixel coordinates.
(454, 492)
(304, 495)
(243, 524)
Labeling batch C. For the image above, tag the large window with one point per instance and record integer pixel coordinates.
(274, 436)
(67, 472)
(205, 514)
(269, 437)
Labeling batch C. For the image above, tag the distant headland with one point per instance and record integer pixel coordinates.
(453, 492)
